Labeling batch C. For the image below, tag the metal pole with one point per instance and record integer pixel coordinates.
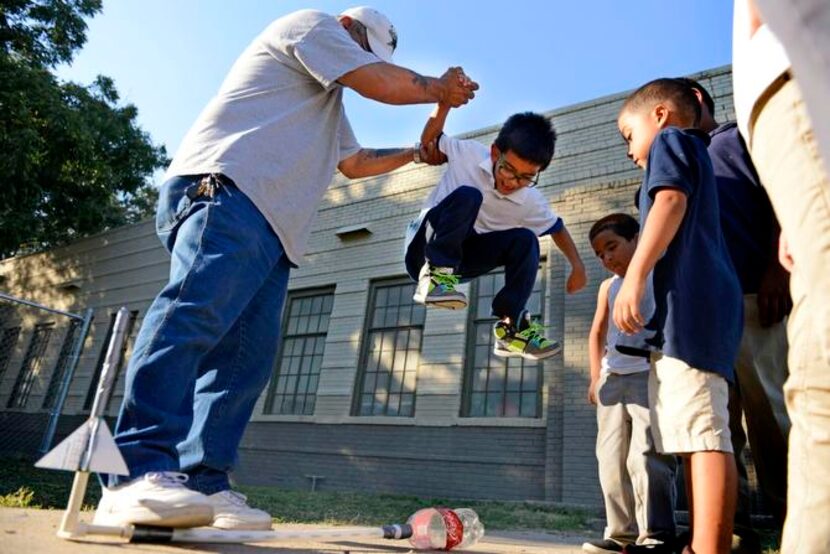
(111, 362)
(74, 358)
(70, 525)
(38, 306)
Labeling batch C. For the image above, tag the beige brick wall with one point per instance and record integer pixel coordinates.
(589, 177)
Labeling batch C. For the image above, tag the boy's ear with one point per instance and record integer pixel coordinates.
(494, 152)
(661, 114)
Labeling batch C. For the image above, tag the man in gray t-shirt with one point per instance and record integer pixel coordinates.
(235, 213)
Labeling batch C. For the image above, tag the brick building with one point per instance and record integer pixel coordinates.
(370, 392)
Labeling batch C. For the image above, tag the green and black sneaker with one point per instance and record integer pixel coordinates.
(527, 341)
(436, 287)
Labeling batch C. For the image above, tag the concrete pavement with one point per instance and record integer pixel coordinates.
(27, 531)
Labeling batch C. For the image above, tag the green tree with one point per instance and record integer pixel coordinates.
(72, 161)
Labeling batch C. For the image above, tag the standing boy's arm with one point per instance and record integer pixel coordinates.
(577, 278)
(661, 225)
(596, 339)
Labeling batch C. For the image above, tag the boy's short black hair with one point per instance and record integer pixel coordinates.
(620, 224)
(530, 136)
(707, 98)
(666, 90)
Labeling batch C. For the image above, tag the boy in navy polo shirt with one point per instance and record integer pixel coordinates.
(697, 296)
(751, 232)
(484, 214)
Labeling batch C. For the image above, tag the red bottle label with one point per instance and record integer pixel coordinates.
(455, 529)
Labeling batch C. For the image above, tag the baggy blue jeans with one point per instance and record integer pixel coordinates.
(208, 341)
(454, 243)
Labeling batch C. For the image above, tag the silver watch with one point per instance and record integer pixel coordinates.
(416, 156)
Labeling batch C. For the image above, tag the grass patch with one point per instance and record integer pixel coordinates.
(24, 486)
(348, 508)
(21, 498)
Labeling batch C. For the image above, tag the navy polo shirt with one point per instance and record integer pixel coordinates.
(699, 307)
(746, 214)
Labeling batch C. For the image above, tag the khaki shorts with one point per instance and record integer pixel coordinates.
(689, 408)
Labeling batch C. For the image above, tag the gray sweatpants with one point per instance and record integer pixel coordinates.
(637, 483)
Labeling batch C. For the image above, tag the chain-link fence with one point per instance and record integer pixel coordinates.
(39, 351)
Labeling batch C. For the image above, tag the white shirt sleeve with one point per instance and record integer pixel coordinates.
(541, 219)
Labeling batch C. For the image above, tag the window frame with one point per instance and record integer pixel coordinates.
(360, 378)
(9, 337)
(50, 396)
(30, 366)
(473, 320)
(271, 392)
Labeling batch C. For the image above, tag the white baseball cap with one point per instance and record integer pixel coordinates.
(381, 33)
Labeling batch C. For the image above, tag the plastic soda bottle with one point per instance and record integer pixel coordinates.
(444, 529)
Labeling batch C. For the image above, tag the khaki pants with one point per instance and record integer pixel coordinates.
(637, 483)
(785, 155)
(761, 371)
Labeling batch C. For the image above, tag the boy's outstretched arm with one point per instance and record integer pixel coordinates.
(661, 226)
(435, 124)
(577, 278)
(368, 162)
(596, 339)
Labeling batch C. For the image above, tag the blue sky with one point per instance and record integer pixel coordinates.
(168, 57)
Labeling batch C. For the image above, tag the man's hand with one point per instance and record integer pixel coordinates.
(774, 301)
(627, 316)
(577, 279)
(592, 392)
(458, 88)
(430, 154)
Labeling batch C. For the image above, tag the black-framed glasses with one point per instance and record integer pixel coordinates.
(510, 173)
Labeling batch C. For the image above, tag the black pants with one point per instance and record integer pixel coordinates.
(454, 243)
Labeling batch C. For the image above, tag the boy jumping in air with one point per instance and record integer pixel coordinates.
(483, 214)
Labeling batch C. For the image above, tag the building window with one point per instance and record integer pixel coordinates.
(8, 340)
(102, 356)
(494, 386)
(61, 365)
(32, 364)
(293, 388)
(391, 351)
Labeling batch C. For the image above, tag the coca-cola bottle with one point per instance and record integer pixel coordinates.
(444, 529)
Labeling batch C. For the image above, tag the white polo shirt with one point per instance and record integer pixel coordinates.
(469, 164)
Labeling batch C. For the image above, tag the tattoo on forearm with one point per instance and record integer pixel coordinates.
(419, 80)
(384, 152)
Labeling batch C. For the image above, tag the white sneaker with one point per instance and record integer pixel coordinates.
(231, 511)
(157, 498)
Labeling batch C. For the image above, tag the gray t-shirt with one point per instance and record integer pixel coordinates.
(277, 126)
(618, 362)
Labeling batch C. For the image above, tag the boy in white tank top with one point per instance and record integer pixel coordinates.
(637, 482)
